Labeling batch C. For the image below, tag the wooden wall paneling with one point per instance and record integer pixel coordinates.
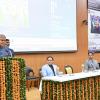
(36, 60)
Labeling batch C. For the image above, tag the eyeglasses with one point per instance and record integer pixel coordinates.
(50, 60)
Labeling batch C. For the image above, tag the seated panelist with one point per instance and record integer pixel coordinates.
(91, 64)
(49, 69)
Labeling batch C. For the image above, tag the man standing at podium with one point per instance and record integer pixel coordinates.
(4, 50)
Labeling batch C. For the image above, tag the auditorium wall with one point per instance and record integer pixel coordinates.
(75, 59)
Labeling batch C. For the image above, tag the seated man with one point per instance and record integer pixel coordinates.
(90, 64)
(49, 69)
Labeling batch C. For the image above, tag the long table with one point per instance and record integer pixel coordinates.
(77, 86)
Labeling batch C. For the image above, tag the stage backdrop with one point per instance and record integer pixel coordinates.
(39, 25)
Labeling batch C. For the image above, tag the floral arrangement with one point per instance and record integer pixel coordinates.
(81, 89)
(12, 79)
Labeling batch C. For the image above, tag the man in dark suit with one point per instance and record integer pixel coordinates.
(11, 50)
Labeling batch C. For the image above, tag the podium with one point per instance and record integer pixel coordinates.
(12, 79)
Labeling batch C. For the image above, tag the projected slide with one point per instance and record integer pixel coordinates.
(13, 13)
(39, 25)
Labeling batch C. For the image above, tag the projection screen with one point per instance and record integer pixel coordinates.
(39, 25)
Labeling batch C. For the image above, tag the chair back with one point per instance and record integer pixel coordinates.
(29, 72)
(68, 69)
